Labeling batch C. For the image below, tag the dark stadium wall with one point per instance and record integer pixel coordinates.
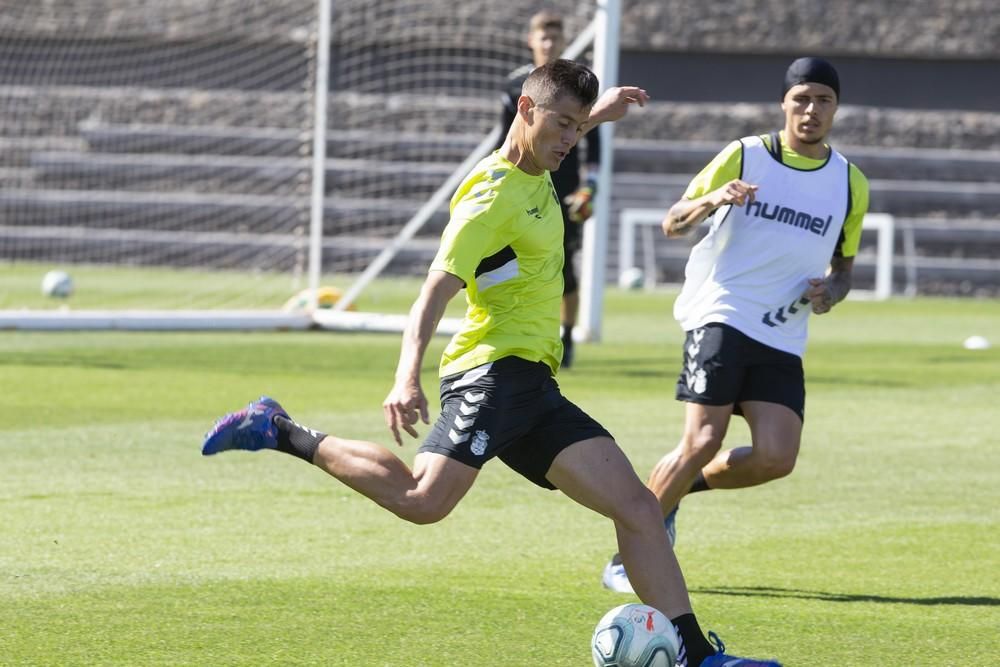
(900, 83)
(917, 29)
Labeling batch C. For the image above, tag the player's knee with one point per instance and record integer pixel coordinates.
(639, 510)
(423, 509)
(702, 446)
(777, 464)
(782, 467)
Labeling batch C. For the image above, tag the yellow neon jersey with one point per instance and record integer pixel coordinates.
(727, 165)
(504, 240)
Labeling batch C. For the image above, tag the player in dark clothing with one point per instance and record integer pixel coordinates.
(574, 185)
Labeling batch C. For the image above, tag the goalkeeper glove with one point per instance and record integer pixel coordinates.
(579, 205)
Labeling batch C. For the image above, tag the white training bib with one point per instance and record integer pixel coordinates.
(752, 268)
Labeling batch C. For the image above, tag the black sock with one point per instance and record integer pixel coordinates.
(297, 440)
(567, 341)
(694, 646)
(699, 484)
(567, 337)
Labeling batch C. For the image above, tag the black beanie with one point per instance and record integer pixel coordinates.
(811, 70)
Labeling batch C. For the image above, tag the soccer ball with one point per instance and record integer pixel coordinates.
(57, 284)
(631, 278)
(634, 635)
(326, 298)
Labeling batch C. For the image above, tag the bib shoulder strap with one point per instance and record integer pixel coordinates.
(775, 147)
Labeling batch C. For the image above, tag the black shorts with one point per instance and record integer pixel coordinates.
(510, 408)
(723, 365)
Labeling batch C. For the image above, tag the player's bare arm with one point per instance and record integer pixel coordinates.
(613, 104)
(406, 401)
(687, 214)
(825, 293)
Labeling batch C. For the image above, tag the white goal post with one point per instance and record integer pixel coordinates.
(595, 235)
(646, 221)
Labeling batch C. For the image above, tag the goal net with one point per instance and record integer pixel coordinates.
(157, 152)
(178, 157)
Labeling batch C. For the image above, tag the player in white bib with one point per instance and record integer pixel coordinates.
(786, 212)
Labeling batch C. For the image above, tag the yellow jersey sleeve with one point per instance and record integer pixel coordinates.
(475, 230)
(850, 236)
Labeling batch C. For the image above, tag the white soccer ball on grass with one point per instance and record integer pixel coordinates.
(634, 635)
(976, 343)
(632, 278)
(57, 284)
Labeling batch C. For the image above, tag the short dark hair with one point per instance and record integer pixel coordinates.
(551, 81)
(544, 20)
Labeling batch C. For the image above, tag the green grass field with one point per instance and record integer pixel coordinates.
(121, 545)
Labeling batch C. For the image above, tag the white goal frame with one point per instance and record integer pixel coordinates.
(595, 234)
(209, 320)
(602, 34)
(641, 220)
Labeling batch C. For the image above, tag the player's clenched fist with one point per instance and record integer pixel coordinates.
(735, 192)
(613, 104)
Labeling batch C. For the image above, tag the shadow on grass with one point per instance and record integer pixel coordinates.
(857, 381)
(62, 362)
(626, 367)
(770, 592)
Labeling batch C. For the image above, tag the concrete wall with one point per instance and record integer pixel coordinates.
(916, 72)
(889, 28)
(855, 125)
(282, 20)
(921, 29)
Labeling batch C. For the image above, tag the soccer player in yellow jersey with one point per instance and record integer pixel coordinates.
(787, 219)
(499, 399)
(575, 180)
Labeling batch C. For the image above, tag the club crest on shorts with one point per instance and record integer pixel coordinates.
(697, 381)
(479, 443)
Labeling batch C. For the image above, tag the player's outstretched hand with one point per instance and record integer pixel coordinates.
(819, 295)
(404, 405)
(614, 103)
(735, 192)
